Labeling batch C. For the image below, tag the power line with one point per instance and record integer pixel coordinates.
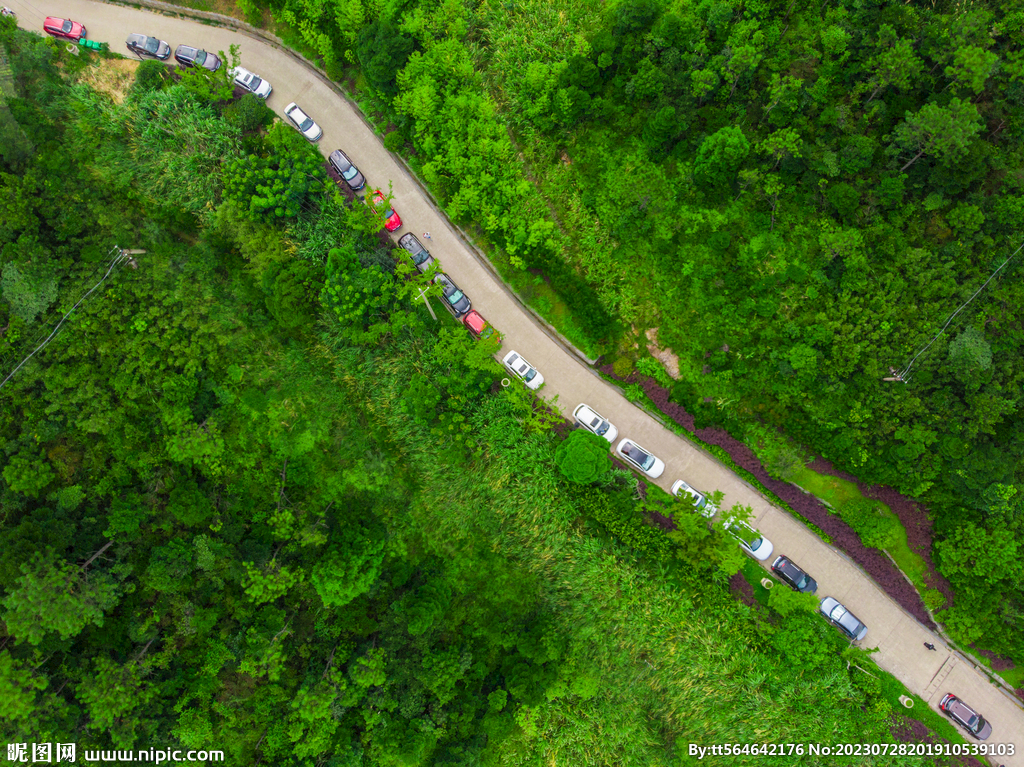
(902, 374)
(120, 256)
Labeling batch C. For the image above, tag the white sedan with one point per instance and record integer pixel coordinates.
(700, 500)
(254, 84)
(523, 370)
(751, 541)
(303, 122)
(593, 421)
(639, 457)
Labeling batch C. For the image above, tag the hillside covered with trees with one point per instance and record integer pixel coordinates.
(797, 197)
(254, 499)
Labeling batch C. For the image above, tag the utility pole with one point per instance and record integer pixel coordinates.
(423, 295)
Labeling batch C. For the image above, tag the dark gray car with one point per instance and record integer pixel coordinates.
(188, 56)
(843, 619)
(340, 162)
(150, 47)
(456, 301)
(965, 716)
(787, 570)
(417, 252)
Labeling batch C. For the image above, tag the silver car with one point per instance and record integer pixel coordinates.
(303, 122)
(250, 82)
(843, 619)
(419, 255)
(150, 47)
(340, 162)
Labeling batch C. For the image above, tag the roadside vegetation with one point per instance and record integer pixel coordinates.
(254, 499)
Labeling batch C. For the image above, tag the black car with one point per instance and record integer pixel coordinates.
(417, 252)
(188, 56)
(456, 301)
(965, 716)
(150, 47)
(340, 162)
(794, 576)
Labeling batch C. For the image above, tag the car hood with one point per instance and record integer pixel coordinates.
(985, 731)
(163, 50)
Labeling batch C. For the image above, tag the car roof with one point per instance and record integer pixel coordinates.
(475, 321)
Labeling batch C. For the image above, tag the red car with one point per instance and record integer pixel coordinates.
(63, 28)
(391, 219)
(478, 326)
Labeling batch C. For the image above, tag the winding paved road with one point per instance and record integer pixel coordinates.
(898, 636)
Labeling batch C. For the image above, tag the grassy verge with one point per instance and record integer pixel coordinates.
(836, 492)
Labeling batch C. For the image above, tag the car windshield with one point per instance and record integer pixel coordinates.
(531, 374)
(838, 612)
(306, 124)
(255, 82)
(66, 27)
(972, 721)
(200, 57)
(756, 543)
(419, 257)
(455, 297)
(701, 501)
(649, 462)
(350, 172)
(802, 582)
(151, 44)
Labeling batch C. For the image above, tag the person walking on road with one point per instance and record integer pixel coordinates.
(929, 645)
(426, 235)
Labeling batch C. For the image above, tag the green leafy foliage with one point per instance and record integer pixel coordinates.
(583, 457)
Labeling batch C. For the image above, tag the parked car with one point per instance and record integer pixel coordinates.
(303, 122)
(391, 218)
(842, 618)
(340, 162)
(700, 500)
(593, 421)
(749, 539)
(246, 80)
(479, 327)
(523, 370)
(188, 56)
(455, 300)
(150, 47)
(965, 716)
(642, 459)
(797, 579)
(65, 29)
(420, 257)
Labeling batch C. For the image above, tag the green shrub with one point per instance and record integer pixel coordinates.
(394, 141)
(622, 367)
(150, 76)
(583, 457)
(249, 113)
(871, 521)
(618, 513)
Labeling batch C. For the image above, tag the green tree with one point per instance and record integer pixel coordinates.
(382, 50)
(720, 156)
(351, 564)
(279, 184)
(54, 595)
(29, 289)
(945, 132)
(582, 457)
(972, 66)
(895, 64)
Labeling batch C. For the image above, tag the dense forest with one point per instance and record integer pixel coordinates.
(254, 499)
(796, 197)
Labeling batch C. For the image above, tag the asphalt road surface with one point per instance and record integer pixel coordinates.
(899, 637)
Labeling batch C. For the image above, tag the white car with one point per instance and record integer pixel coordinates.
(303, 122)
(751, 541)
(643, 460)
(257, 86)
(524, 370)
(700, 500)
(593, 421)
